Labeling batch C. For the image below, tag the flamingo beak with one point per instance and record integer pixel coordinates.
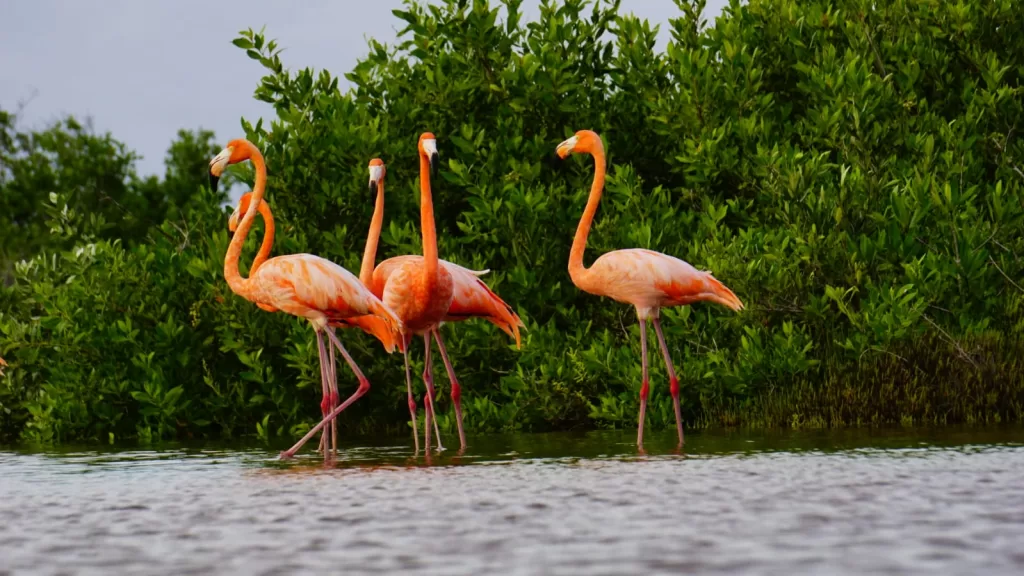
(218, 165)
(233, 221)
(430, 147)
(376, 174)
(566, 147)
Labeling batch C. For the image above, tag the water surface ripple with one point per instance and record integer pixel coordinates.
(544, 504)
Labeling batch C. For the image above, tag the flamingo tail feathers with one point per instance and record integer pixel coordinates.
(380, 323)
(374, 326)
(717, 292)
(503, 316)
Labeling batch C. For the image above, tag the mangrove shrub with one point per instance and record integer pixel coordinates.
(851, 169)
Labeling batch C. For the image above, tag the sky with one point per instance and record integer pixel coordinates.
(143, 69)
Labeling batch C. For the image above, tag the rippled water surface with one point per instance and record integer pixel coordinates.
(796, 503)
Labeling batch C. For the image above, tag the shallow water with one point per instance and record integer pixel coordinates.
(900, 502)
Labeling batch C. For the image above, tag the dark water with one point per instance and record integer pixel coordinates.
(899, 502)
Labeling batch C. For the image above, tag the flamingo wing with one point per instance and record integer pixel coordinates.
(474, 299)
(315, 288)
(384, 270)
(649, 279)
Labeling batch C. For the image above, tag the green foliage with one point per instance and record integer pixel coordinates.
(96, 174)
(852, 170)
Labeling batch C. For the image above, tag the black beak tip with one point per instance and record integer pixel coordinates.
(555, 161)
(373, 189)
(433, 163)
(213, 182)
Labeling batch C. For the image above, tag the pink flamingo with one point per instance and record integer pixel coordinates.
(471, 299)
(373, 325)
(646, 279)
(300, 284)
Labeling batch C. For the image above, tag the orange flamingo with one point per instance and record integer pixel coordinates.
(472, 298)
(646, 279)
(300, 284)
(373, 325)
(420, 291)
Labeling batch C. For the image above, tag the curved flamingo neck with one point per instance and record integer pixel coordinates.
(370, 252)
(430, 262)
(579, 243)
(268, 238)
(244, 286)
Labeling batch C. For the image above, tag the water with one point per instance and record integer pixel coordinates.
(901, 502)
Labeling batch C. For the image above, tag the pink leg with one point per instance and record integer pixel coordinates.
(332, 373)
(412, 400)
(673, 382)
(428, 379)
(644, 386)
(456, 390)
(364, 387)
(325, 400)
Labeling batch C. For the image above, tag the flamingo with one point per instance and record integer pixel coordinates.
(373, 325)
(421, 291)
(646, 279)
(303, 285)
(472, 298)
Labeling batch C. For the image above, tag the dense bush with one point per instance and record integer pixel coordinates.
(852, 170)
(96, 173)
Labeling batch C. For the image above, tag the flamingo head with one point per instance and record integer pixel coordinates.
(238, 150)
(376, 175)
(428, 147)
(240, 210)
(581, 142)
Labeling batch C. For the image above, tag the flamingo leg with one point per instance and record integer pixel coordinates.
(325, 400)
(332, 389)
(364, 387)
(673, 382)
(332, 372)
(412, 400)
(428, 379)
(456, 389)
(644, 386)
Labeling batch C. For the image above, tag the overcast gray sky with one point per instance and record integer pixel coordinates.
(142, 69)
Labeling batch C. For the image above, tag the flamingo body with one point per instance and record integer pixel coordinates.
(651, 280)
(314, 288)
(371, 324)
(418, 302)
(471, 297)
